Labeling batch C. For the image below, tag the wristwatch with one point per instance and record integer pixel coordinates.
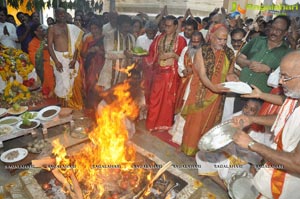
(251, 144)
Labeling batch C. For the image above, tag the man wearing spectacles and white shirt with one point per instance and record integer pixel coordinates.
(280, 176)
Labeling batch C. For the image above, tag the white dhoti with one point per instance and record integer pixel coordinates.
(290, 140)
(218, 163)
(65, 79)
(177, 128)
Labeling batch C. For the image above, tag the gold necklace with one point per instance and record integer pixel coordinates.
(170, 46)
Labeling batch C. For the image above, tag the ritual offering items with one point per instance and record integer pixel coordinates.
(5, 129)
(14, 155)
(29, 115)
(48, 113)
(28, 124)
(138, 51)
(37, 146)
(10, 120)
(16, 109)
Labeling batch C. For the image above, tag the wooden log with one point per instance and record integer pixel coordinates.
(44, 163)
(77, 189)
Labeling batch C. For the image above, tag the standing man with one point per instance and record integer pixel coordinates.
(204, 103)
(24, 31)
(236, 42)
(8, 35)
(185, 71)
(63, 42)
(190, 26)
(118, 45)
(163, 55)
(144, 41)
(280, 177)
(261, 56)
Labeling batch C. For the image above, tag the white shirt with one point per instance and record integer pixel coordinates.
(8, 40)
(144, 42)
(186, 39)
(181, 66)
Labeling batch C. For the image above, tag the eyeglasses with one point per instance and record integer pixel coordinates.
(236, 40)
(286, 79)
(277, 30)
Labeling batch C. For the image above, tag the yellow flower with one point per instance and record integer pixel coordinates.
(22, 92)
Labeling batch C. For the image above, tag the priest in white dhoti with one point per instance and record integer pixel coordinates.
(64, 41)
(280, 176)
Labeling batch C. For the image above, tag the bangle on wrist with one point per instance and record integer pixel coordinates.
(250, 145)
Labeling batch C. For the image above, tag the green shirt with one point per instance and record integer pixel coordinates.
(257, 50)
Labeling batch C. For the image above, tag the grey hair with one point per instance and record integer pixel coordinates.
(151, 25)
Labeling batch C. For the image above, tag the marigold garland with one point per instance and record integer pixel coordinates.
(15, 92)
(12, 61)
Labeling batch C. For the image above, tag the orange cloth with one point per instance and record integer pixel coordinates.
(76, 101)
(49, 82)
(200, 118)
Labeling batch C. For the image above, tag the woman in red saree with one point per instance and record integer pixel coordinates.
(163, 54)
(93, 54)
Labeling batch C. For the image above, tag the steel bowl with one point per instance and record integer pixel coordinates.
(217, 137)
(240, 186)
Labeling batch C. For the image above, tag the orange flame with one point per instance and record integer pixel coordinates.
(108, 147)
(125, 70)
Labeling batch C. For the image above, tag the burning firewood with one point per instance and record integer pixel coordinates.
(44, 163)
(73, 187)
(146, 189)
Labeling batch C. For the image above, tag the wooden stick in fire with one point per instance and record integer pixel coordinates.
(157, 175)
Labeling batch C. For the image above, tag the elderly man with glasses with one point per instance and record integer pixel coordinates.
(280, 176)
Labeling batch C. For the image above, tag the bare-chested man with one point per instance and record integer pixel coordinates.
(63, 41)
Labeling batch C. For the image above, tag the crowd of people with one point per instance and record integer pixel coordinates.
(182, 78)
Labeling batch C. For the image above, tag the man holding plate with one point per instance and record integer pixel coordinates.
(280, 176)
(204, 103)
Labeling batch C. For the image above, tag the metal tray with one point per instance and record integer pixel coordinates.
(217, 137)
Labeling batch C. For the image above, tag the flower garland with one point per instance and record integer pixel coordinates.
(12, 61)
(5, 70)
(15, 92)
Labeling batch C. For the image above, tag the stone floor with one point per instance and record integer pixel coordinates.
(142, 138)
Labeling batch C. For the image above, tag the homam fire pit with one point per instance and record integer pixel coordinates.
(110, 166)
(126, 184)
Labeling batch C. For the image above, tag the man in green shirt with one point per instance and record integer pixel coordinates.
(262, 55)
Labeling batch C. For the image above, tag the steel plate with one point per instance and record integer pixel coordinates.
(217, 137)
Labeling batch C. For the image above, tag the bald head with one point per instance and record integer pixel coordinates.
(291, 62)
(290, 75)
